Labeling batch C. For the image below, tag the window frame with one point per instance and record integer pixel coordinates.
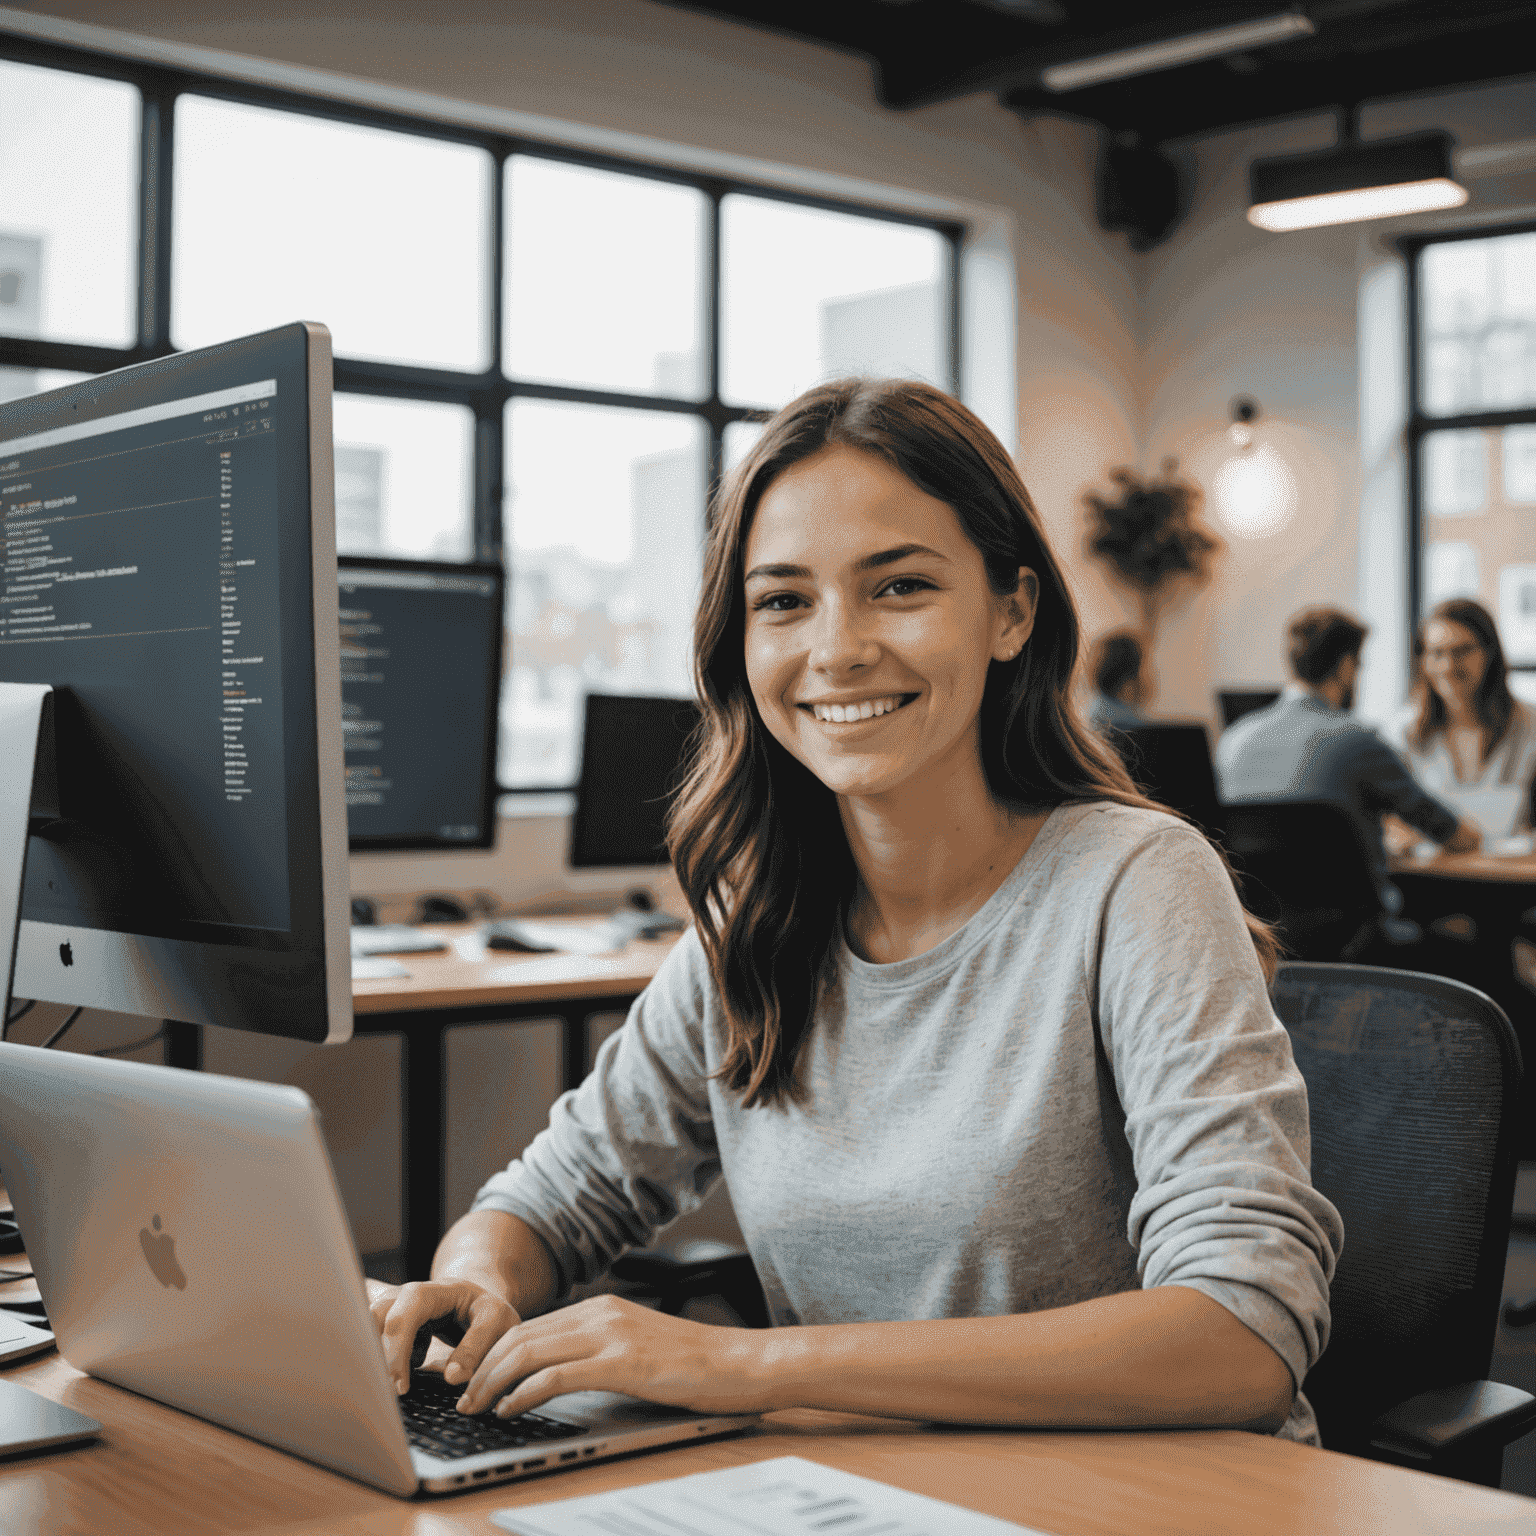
(1421, 424)
(486, 394)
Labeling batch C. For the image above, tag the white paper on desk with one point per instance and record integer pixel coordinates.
(784, 1496)
(540, 969)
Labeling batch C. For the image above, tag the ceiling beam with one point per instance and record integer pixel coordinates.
(1212, 98)
(920, 77)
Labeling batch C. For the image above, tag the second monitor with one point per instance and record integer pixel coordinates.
(631, 764)
(420, 677)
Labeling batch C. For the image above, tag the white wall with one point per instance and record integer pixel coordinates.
(1311, 325)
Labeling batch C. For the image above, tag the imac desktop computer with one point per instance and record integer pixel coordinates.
(173, 835)
(420, 678)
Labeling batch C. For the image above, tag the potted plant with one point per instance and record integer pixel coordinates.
(1149, 536)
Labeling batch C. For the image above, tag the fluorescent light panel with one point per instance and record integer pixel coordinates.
(1379, 179)
(1361, 203)
(1173, 51)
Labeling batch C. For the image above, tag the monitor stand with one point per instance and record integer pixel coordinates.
(28, 789)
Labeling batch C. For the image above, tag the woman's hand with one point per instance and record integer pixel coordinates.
(608, 1344)
(400, 1311)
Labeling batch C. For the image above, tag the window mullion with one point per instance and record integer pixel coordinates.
(955, 317)
(490, 419)
(156, 155)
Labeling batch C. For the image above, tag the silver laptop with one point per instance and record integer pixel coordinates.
(189, 1243)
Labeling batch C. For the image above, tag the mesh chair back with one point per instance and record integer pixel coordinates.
(1303, 869)
(1171, 763)
(1411, 1081)
(1234, 703)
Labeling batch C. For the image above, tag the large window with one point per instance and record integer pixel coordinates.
(1472, 432)
(541, 356)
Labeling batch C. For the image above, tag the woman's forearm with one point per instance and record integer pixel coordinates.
(1159, 1358)
(502, 1254)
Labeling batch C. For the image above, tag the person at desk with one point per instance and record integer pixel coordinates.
(978, 1037)
(1305, 746)
(1117, 666)
(1467, 739)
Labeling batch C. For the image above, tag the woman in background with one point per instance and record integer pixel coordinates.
(1467, 739)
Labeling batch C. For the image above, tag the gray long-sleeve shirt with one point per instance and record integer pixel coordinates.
(1301, 748)
(1082, 1091)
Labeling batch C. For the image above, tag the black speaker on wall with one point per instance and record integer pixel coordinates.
(1138, 191)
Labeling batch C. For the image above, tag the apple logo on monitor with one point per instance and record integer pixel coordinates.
(66, 954)
(160, 1254)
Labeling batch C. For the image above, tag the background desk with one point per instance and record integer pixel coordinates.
(444, 992)
(1470, 866)
(158, 1471)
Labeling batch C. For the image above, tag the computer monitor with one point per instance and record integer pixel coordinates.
(420, 679)
(1234, 703)
(631, 763)
(170, 573)
(1171, 763)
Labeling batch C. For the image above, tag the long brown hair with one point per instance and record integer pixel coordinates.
(1493, 703)
(756, 839)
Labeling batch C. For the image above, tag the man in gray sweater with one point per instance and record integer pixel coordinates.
(1306, 746)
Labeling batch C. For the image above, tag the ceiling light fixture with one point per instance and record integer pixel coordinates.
(1377, 180)
(1173, 51)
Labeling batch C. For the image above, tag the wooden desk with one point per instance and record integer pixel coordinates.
(1470, 866)
(444, 992)
(156, 1471)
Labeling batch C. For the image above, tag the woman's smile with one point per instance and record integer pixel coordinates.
(856, 712)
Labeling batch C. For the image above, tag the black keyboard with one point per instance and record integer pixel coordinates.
(434, 1425)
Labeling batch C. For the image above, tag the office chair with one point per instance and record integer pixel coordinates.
(1303, 869)
(1234, 703)
(1413, 1085)
(1171, 763)
(720, 1289)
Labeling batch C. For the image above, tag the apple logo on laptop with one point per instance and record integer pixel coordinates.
(66, 954)
(160, 1253)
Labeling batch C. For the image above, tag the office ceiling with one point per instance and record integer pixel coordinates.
(925, 51)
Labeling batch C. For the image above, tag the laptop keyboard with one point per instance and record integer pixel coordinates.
(434, 1425)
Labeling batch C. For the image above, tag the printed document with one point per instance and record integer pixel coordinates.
(785, 1496)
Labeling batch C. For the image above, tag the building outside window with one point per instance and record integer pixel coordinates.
(1473, 432)
(541, 356)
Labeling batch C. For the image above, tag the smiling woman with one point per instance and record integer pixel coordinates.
(978, 1038)
(876, 543)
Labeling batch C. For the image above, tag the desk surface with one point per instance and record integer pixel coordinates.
(446, 980)
(1470, 866)
(156, 1471)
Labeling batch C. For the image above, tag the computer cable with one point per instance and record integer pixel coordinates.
(132, 1045)
(10, 1019)
(59, 1033)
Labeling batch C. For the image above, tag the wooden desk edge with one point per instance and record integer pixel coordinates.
(156, 1469)
(443, 980)
(1469, 866)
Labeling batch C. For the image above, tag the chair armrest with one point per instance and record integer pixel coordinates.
(1447, 1418)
